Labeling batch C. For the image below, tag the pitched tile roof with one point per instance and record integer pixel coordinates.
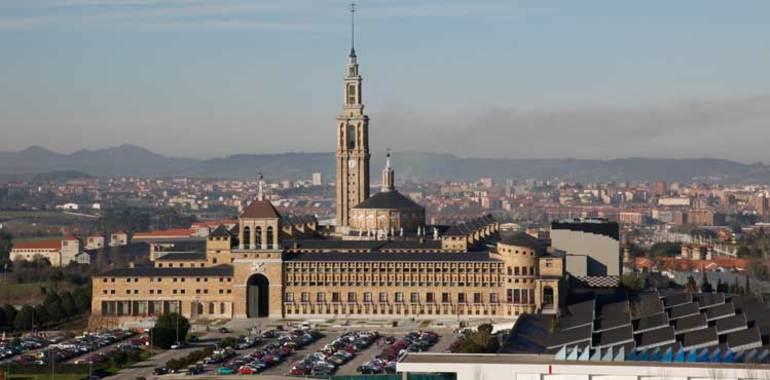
(260, 209)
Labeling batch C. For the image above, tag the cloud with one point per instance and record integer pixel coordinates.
(728, 128)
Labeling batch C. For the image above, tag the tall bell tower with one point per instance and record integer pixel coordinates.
(352, 140)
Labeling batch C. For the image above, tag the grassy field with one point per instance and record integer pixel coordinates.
(28, 293)
(47, 376)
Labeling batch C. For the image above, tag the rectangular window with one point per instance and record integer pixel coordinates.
(351, 297)
(414, 297)
(516, 296)
(336, 297)
(367, 297)
(515, 271)
(320, 297)
(509, 296)
(305, 297)
(460, 297)
(524, 298)
(383, 297)
(476, 297)
(399, 297)
(289, 297)
(493, 298)
(445, 297)
(429, 297)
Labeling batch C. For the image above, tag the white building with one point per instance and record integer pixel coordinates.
(545, 367)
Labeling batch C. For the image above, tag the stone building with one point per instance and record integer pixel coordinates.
(287, 267)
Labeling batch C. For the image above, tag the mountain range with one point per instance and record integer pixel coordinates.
(129, 160)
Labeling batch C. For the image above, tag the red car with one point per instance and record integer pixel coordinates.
(246, 370)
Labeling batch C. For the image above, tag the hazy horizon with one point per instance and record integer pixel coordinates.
(497, 79)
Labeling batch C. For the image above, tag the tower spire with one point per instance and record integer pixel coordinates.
(352, 29)
(261, 193)
(388, 176)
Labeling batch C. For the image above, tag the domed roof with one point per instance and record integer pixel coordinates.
(392, 200)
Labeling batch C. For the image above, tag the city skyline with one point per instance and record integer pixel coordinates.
(174, 77)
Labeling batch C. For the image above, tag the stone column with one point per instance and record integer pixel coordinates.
(252, 241)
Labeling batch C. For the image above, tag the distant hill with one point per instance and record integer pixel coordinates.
(127, 160)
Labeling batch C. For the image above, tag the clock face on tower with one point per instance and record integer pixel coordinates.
(351, 163)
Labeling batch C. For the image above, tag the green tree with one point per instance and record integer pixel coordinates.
(168, 328)
(10, 314)
(51, 297)
(68, 304)
(55, 312)
(633, 281)
(747, 288)
(82, 299)
(41, 315)
(25, 318)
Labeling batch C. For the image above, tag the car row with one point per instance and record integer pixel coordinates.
(270, 354)
(325, 361)
(396, 349)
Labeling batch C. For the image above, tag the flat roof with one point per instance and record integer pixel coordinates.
(549, 359)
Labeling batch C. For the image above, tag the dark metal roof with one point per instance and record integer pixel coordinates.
(709, 299)
(700, 337)
(181, 256)
(693, 322)
(390, 200)
(615, 336)
(683, 310)
(220, 270)
(731, 323)
(521, 239)
(720, 311)
(221, 231)
(390, 256)
(571, 336)
(651, 322)
(676, 299)
(744, 337)
(657, 337)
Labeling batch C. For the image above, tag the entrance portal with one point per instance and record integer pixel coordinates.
(257, 300)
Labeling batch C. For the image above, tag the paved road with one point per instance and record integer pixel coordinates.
(145, 368)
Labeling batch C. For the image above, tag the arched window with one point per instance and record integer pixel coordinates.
(222, 308)
(246, 238)
(351, 94)
(270, 237)
(211, 308)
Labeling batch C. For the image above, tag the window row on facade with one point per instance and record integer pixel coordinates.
(173, 291)
(407, 309)
(514, 296)
(172, 279)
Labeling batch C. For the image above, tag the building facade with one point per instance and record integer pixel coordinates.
(268, 265)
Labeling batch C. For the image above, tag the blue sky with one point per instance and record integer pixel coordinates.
(204, 78)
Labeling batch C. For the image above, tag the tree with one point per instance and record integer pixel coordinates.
(51, 297)
(82, 299)
(68, 305)
(41, 315)
(705, 286)
(24, 318)
(633, 282)
(168, 328)
(55, 312)
(10, 315)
